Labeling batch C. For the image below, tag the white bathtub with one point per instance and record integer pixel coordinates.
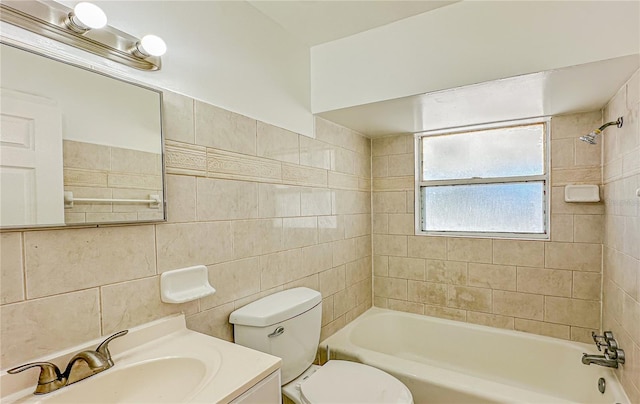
(443, 361)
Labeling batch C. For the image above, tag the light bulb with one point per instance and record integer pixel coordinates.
(89, 15)
(85, 17)
(151, 45)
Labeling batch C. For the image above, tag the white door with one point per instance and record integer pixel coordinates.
(31, 184)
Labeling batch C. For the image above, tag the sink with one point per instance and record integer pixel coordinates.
(167, 380)
(158, 362)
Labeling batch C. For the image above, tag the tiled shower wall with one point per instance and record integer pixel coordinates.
(550, 288)
(265, 209)
(621, 311)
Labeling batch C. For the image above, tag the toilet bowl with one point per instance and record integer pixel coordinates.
(287, 324)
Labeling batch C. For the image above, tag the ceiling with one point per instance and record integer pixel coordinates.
(582, 88)
(316, 22)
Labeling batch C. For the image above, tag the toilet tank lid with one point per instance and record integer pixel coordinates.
(276, 308)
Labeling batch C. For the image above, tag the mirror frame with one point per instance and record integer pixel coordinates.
(93, 68)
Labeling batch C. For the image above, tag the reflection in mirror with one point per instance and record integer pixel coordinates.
(76, 146)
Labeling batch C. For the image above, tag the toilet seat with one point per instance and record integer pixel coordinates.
(350, 382)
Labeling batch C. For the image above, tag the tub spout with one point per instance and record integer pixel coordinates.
(608, 360)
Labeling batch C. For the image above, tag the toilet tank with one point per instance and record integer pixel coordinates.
(285, 324)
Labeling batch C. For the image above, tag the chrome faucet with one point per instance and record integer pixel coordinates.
(612, 354)
(83, 364)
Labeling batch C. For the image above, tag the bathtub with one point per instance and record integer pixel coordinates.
(444, 361)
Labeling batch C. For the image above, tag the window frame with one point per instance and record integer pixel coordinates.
(545, 178)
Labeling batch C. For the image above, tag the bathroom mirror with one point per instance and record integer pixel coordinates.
(77, 147)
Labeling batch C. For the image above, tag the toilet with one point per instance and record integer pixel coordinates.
(287, 324)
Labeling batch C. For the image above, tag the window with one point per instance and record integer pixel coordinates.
(489, 180)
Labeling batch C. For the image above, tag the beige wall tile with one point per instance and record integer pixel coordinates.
(330, 228)
(279, 268)
(559, 206)
(522, 305)
(401, 165)
(332, 281)
(445, 312)
(183, 158)
(223, 199)
(562, 153)
(427, 247)
(582, 334)
(389, 202)
(574, 125)
(385, 146)
(311, 282)
(470, 249)
(542, 328)
(315, 153)
(255, 237)
(390, 245)
(87, 156)
(11, 268)
(380, 265)
(278, 200)
(343, 161)
(586, 285)
(581, 313)
(463, 297)
(135, 162)
(318, 257)
(232, 281)
(181, 198)
(216, 127)
(492, 276)
(327, 310)
(84, 178)
(350, 202)
(380, 166)
(343, 251)
(363, 246)
(132, 303)
(177, 117)
(591, 175)
(301, 175)
(277, 143)
(562, 228)
(299, 232)
(588, 228)
(380, 223)
(332, 328)
(358, 271)
(491, 320)
(401, 223)
(393, 288)
(342, 181)
(407, 307)
(579, 257)
(551, 282)
(224, 164)
(36, 328)
(183, 245)
(214, 322)
(59, 261)
(586, 154)
(451, 272)
(357, 225)
(407, 268)
(393, 184)
(514, 252)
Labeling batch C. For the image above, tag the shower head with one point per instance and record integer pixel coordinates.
(592, 138)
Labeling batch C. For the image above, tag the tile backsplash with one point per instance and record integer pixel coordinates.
(264, 208)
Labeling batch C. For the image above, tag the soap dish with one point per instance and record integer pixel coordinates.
(186, 284)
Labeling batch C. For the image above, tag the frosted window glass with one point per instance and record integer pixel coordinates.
(516, 207)
(502, 152)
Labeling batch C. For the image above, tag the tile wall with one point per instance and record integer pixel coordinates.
(549, 288)
(265, 209)
(98, 171)
(621, 164)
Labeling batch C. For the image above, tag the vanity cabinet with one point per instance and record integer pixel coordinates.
(267, 390)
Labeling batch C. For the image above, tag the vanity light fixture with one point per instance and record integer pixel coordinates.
(85, 27)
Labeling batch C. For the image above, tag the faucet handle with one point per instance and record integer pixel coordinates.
(50, 377)
(103, 348)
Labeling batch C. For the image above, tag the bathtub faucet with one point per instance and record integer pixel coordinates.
(612, 354)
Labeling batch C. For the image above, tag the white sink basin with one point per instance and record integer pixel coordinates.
(158, 362)
(168, 380)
